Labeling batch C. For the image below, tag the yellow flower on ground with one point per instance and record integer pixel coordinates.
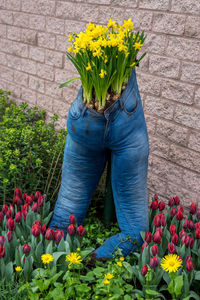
(121, 258)
(128, 24)
(106, 281)
(119, 263)
(18, 269)
(138, 45)
(46, 258)
(88, 68)
(73, 258)
(103, 73)
(109, 276)
(171, 263)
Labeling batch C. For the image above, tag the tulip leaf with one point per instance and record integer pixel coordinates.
(9, 271)
(142, 233)
(49, 248)
(57, 255)
(86, 252)
(151, 292)
(178, 284)
(194, 295)
(61, 246)
(145, 256)
(39, 250)
(197, 275)
(47, 219)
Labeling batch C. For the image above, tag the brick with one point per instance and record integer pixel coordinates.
(3, 31)
(192, 26)
(72, 26)
(184, 157)
(13, 4)
(44, 101)
(154, 43)
(151, 124)
(14, 62)
(159, 107)
(124, 3)
(154, 4)
(41, 7)
(52, 89)
(172, 132)
(28, 66)
(15, 89)
(45, 72)
(3, 59)
(164, 66)
(156, 184)
(178, 91)
(46, 40)
(36, 84)
(84, 12)
(186, 197)
(194, 141)
(65, 10)
(55, 25)
(37, 54)
(21, 78)
(186, 6)
(13, 33)
(188, 116)
(54, 58)
(29, 36)
(68, 65)
(28, 96)
(62, 75)
(144, 64)
(158, 146)
(190, 72)
(191, 181)
(115, 13)
(20, 19)
(61, 124)
(197, 97)
(169, 23)
(2, 4)
(6, 17)
(149, 84)
(69, 94)
(3, 84)
(37, 22)
(60, 108)
(183, 48)
(6, 45)
(106, 1)
(61, 43)
(19, 49)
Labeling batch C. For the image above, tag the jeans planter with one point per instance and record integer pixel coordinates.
(122, 129)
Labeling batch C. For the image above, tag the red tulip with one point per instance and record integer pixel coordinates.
(2, 251)
(161, 206)
(18, 217)
(173, 212)
(26, 249)
(50, 234)
(175, 238)
(156, 221)
(189, 257)
(189, 265)
(155, 197)
(24, 197)
(180, 208)
(35, 207)
(154, 250)
(37, 222)
(2, 240)
(176, 200)
(160, 231)
(186, 224)
(154, 205)
(148, 237)
(9, 214)
(197, 234)
(59, 235)
(11, 225)
(145, 244)
(198, 214)
(72, 219)
(1, 216)
(179, 215)
(29, 200)
(37, 195)
(40, 201)
(171, 248)
(157, 237)
(172, 229)
(153, 262)
(182, 233)
(191, 225)
(18, 193)
(17, 201)
(36, 230)
(9, 236)
(81, 230)
(144, 270)
(171, 201)
(11, 207)
(71, 229)
(197, 225)
(193, 208)
(24, 214)
(5, 209)
(43, 229)
(162, 220)
(191, 243)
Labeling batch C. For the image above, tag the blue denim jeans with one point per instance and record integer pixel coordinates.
(122, 129)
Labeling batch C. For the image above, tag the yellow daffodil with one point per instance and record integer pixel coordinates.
(70, 38)
(128, 24)
(133, 64)
(46, 258)
(70, 49)
(73, 258)
(103, 73)
(18, 269)
(87, 69)
(106, 282)
(171, 263)
(111, 24)
(121, 258)
(109, 276)
(119, 263)
(138, 45)
(90, 26)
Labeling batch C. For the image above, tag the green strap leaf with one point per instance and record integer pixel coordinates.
(67, 82)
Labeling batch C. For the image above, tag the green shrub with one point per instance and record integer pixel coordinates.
(31, 152)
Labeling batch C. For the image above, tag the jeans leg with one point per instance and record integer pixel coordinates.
(81, 171)
(129, 182)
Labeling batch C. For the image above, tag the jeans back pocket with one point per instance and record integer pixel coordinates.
(131, 103)
(75, 110)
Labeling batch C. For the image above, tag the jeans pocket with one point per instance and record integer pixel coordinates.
(131, 103)
(74, 111)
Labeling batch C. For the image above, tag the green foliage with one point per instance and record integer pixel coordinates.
(31, 152)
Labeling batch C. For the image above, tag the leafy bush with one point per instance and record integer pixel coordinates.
(31, 152)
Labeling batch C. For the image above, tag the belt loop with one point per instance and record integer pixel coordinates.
(83, 111)
(121, 104)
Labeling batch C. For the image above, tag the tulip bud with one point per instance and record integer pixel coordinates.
(18, 217)
(37, 195)
(36, 230)
(32, 197)
(35, 207)
(155, 197)
(9, 214)
(189, 257)
(191, 225)
(2, 240)
(179, 215)
(37, 222)
(197, 234)
(180, 208)
(156, 221)
(43, 229)
(186, 224)
(191, 243)
(154, 250)
(171, 248)
(148, 237)
(171, 201)
(9, 236)
(5, 209)
(11, 225)
(182, 233)
(11, 207)
(163, 220)
(59, 235)
(173, 212)
(172, 229)
(198, 214)
(50, 234)
(29, 200)
(153, 262)
(193, 208)
(2, 251)
(24, 197)
(40, 201)
(71, 229)
(189, 265)
(72, 219)
(18, 193)
(154, 205)
(80, 230)
(144, 270)
(24, 214)
(17, 201)
(175, 238)
(161, 205)
(197, 225)
(1, 216)
(26, 249)
(145, 244)
(160, 231)
(176, 200)
(157, 237)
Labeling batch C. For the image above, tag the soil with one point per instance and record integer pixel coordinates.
(111, 97)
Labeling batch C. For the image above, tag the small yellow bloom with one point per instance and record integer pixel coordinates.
(171, 263)
(73, 258)
(128, 24)
(70, 38)
(119, 263)
(138, 45)
(121, 258)
(106, 281)
(109, 276)
(78, 249)
(133, 64)
(18, 269)
(127, 54)
(103, 73)
(46, 258)
(105, 60)
(70, 49)
(90, 26)
(87, 68)
(111, 24)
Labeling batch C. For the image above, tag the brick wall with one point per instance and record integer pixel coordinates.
(33, 40)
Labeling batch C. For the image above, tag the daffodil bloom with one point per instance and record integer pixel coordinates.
(70, 38)
(88, 67)
(171, 263)
(106, 282)
(103, 73)
(138, 45)
(111, 23)
(121, 258)
(73, 258)
(119, 263)
(70, 49)
(46, 258)
(128, 24)
(133, 64)
(90, 26)
(109, 276)
(18, 269)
